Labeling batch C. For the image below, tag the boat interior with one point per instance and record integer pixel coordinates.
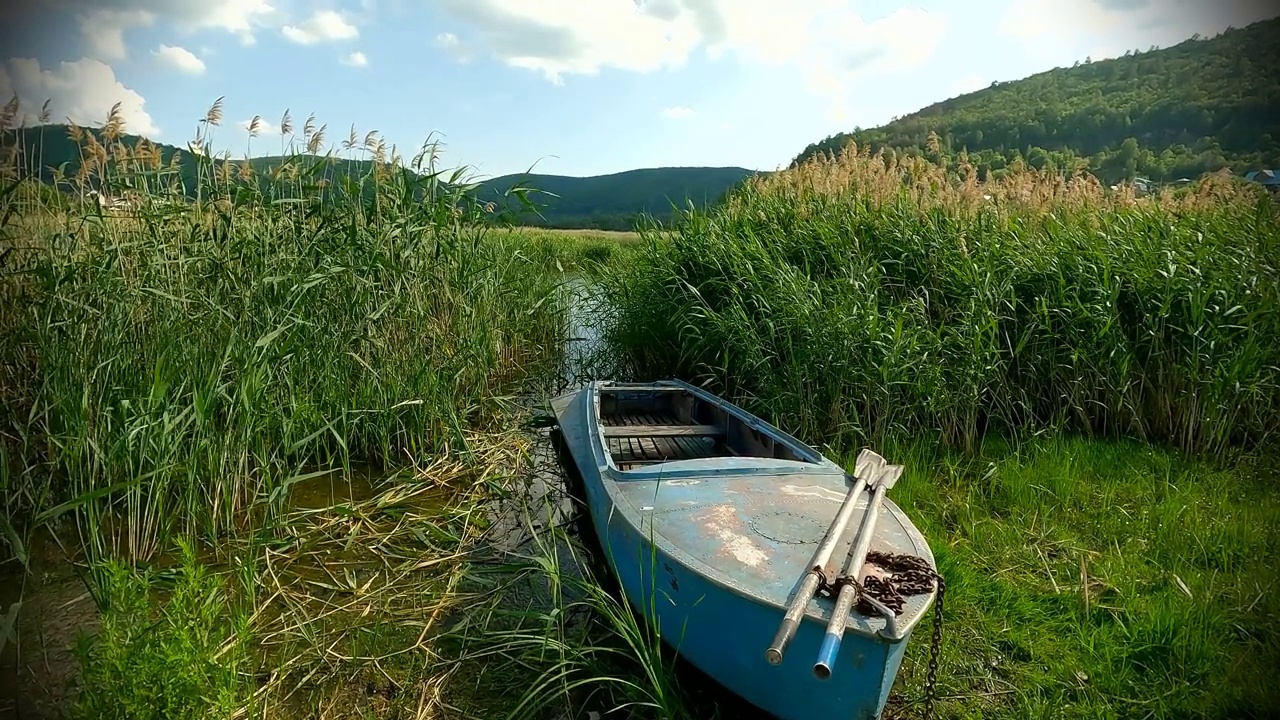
(649, 424)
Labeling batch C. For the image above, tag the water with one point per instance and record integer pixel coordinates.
(584, 343)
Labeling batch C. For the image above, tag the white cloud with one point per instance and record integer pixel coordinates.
(854, 49)
(325, 25)
(104, 29)
(576, 36)
(677, 112)
(265, 127)
(104, 23)
(83, 91)
(967, 84)
(827, 41)
(355, 59)
(180, 59)
(454, 47)
(235, 16)
(1062, 31)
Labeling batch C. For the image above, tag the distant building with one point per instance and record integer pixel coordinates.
(1266, 178)
(109, 203)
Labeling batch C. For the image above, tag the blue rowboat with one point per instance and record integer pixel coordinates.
(709, 517)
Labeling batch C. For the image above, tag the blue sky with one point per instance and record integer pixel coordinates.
(573, 87)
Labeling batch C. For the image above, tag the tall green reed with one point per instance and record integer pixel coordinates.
(863, 297)
(176, 361)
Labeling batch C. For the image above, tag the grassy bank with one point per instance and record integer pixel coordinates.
(1082, 384)
(576, 250)
(1096, 578)
(181, 378)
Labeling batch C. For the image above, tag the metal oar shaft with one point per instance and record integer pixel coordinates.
(858, 556)
(830, 648)
(795, 611)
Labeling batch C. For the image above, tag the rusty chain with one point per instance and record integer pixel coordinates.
(909, 575)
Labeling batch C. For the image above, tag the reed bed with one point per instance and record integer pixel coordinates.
(174, 366)
(862, 298)
(275, 407)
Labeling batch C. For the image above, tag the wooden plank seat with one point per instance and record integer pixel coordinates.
(653, 431)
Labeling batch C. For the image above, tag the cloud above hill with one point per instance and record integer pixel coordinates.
(827, 41)
(83, 91)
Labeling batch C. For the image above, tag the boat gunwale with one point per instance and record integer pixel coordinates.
(864, 626)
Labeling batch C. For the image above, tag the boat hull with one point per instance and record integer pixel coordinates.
(715, 626)
(724, 634)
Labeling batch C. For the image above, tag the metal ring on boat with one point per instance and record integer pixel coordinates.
(788, 528)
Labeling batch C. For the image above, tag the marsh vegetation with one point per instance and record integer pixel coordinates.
(280, 436)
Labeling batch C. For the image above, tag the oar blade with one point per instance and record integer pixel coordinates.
(887, 477)
(868, 465)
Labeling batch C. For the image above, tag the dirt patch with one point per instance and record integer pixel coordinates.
(38, 665)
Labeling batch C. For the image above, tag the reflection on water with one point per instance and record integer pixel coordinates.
(583, 345)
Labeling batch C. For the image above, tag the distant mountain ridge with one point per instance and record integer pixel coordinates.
(1195, 107)
(612, 201)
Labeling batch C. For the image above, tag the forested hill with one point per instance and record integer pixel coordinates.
(1163, 114)
(612, 202)
(607, 201)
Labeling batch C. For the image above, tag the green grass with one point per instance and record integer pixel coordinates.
(181, 655)
(1092, 578)
(577, 250)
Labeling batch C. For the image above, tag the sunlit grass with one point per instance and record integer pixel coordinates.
(1091, 578)
(580, 251)
(174, 371)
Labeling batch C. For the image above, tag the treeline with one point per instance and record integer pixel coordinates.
(609, 202)
(621, 223)
(59, 154)
(1165, 114)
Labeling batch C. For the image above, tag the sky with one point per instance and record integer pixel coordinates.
(567, 87)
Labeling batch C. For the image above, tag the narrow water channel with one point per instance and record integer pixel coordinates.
(553, 497)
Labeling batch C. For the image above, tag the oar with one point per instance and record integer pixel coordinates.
(884, 480)
(867, 466)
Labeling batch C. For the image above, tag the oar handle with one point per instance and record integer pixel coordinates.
(858, 555)
(791, 621)
(835, 632)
